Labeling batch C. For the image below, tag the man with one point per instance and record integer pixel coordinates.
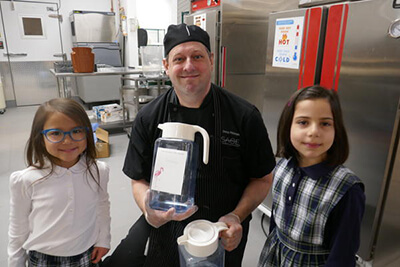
(233, 183)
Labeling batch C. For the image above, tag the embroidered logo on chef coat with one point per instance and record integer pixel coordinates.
(230, 138)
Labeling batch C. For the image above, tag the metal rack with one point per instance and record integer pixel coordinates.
(134, 96)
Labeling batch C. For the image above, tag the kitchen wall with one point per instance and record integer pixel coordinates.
(66, 6)
(155, 14)
(148, 14)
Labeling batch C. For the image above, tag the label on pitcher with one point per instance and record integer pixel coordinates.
(169, 171)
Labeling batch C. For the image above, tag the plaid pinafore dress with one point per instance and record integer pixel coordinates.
(298, 241)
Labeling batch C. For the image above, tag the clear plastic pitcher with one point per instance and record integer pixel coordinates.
(152, 57)
(175, 166)
(200, 245)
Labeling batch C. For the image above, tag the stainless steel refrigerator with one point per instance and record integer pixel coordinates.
(351, 47)
(238, 33)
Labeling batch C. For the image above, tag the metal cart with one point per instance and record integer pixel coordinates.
(138, 93)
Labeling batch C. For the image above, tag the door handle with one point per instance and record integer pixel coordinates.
(63, 55)
(15, 54)
(59, 55)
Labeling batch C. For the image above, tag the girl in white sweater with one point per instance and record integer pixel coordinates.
(59, 205)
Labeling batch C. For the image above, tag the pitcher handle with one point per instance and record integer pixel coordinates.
(221, 226)
(206, 142)
(182, 240)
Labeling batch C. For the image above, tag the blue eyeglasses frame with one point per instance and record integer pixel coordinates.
(44, 132)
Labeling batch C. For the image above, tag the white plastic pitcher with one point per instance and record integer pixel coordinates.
(200, 246)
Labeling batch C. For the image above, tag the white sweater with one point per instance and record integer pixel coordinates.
(62, 215)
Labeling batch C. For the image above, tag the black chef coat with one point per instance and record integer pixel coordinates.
(239, 150)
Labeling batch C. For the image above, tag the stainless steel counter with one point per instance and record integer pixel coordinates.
(64, 91)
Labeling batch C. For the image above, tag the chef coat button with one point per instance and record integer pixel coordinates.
(293, 184)
(290, 198)
(175, 109)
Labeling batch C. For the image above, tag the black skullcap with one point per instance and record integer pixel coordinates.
(182, 33)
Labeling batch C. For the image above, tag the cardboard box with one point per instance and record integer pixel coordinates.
(102, 144)
(107, 116)
(105, 108)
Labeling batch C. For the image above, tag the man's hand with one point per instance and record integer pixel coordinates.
(157, 218)
(231, 238)
(98, 253)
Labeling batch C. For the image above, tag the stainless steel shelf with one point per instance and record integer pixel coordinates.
(137, 90)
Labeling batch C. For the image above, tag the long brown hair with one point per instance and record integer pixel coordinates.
(36, 153)
(339, 151)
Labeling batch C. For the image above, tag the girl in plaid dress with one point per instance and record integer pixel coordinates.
(59, 205)
(318, 203)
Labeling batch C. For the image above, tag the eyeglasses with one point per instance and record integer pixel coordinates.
(57, 135)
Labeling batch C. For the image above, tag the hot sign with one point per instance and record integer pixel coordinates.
(287, 42)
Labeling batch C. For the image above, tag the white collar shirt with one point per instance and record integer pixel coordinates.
(63, 214)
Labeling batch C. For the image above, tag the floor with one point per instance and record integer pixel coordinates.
(15, 126)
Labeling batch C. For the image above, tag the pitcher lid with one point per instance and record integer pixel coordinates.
(178, 130)
(187, 132)
(201, 233)
(200, 237)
